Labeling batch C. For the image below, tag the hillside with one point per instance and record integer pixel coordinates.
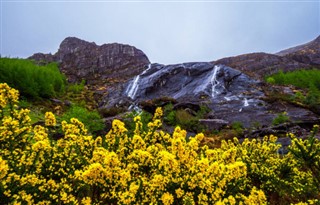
(120, 130)
(258, 65)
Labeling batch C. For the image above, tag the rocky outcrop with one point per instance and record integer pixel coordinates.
(258, 65)
(308, 53)
(231, 95)
(123, 78)
(98, 65)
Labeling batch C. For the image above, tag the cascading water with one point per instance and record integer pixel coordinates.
(134, 85)
(213, 81)
(246, 103)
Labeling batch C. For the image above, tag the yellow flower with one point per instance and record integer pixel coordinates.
(86, 201)
(167, 198)
(179, 193)
(50, 119)
(3, 168)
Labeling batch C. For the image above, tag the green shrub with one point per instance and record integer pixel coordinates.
(145, 117)
(92, 119)
(237, 127)
(32, 80)
(271, 80)
(307, 152)
(299, 78)
(169, 115)
(281, 118)
(76, 88)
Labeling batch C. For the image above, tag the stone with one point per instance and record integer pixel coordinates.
(97, 65)
(258, 65)
(214, 124)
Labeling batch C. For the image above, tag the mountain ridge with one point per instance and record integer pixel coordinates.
(233, 88)
(260, 64)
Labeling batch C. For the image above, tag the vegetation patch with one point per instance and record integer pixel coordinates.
(33, 81)
(307, 84)
(147, 166)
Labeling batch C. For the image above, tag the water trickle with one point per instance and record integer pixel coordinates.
(214, 82)
(134, 85)
(246, 103)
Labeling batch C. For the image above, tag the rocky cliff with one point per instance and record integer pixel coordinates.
(98, 65)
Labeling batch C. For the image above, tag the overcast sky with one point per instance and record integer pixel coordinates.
(166, 31)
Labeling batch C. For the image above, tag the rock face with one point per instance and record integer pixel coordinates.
(230, 94)
(123, 77)
(98, 65)
(258, 65)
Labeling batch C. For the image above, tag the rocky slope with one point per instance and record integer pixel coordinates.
(258, 65)
(231, 95)
(231, 87)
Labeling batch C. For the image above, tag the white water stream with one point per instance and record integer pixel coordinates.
(246, 103)
(134, 85)
(213, 81)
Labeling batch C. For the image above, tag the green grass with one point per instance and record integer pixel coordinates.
(307, 80)
(33, 81)
(298, 78)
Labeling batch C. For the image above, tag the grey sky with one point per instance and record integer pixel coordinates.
(168, 32)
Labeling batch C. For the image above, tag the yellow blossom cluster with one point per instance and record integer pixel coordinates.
(148, 166)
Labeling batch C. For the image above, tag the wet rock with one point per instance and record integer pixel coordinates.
(214, 124)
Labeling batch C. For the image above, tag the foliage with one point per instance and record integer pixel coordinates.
(147, 167)
(281, 118)
(92, 119)
(307, 152)
(130, 123)
(304, 79)
(299, 78)
(30, 79)
(185, 119)
(169, 115)
(271, 80)
(238, 127)
(76, 88)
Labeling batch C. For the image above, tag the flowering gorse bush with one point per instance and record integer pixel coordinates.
(148, 166)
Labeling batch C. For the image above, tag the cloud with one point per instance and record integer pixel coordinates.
(170, 32)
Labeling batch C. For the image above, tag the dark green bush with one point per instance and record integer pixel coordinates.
(91, 119)
(169, 114)
(32, 80)
(131, 125)
(281, 118)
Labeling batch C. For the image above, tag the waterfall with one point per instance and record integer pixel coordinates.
(134, 85)
(214, 82)
(245, 104)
